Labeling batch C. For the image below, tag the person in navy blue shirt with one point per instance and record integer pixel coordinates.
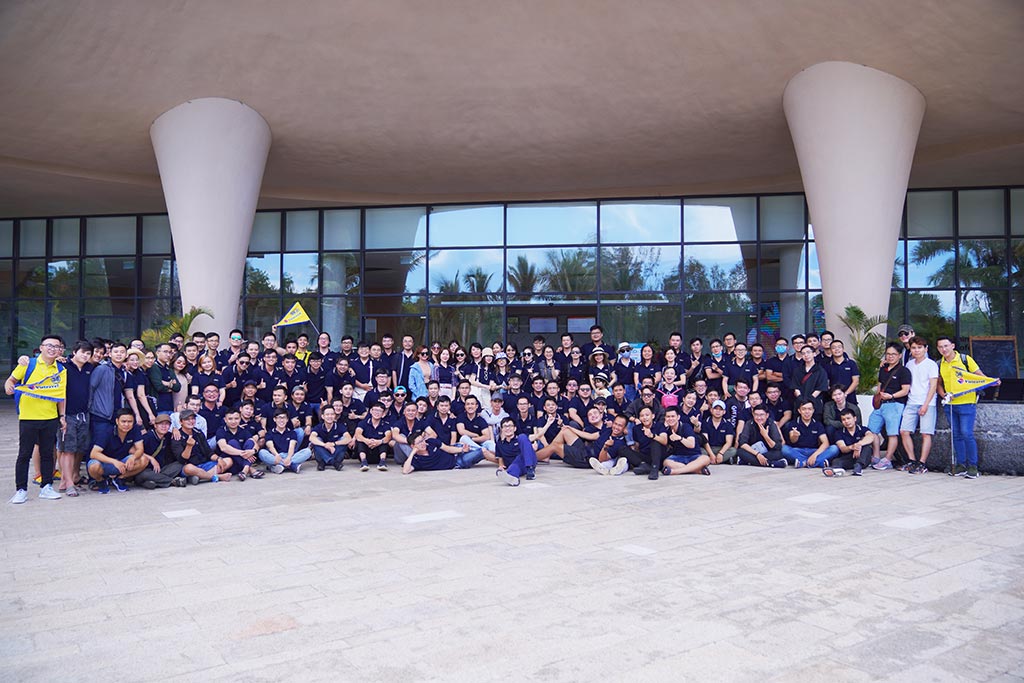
(282, 450)
(239, 445)
(649, 440)
(739, 367)
(329, 440)
(718, 435)
(843, 370)
(316, 380)
(807, 440)
(234, 378)
(373, 439)
(408, 423)
(382, 379)
(268, 376)
(515, 454)
(291, 374)
(855, 442)
(349, 410)
(212, 412)
(578, 407)
(430, 454)
(75, 442)
(300, 414)
(779, 409)
(442, 424)
(120, 456)
(683, 453)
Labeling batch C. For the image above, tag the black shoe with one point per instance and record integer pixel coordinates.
(654, 473)
(320, 467)
(148, 484)
(338, 465)
(178, 482)
(642, 468)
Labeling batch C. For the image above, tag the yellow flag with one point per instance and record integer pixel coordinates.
(294, 316)
(966, 382)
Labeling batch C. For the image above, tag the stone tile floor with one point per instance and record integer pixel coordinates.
(747, 575)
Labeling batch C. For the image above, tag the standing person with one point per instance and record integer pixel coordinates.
(809, 381)
(841, 369)
(920, 409)
(227, 357)
(42, 389)
(106, 394)
(74, 442)
(892, 388)
(163, 380)
(624, 370)
(402, 362)
(905, 333)
(962, 408)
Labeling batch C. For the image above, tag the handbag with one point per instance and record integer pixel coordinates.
(876, 400)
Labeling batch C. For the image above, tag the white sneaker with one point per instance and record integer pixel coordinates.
(47, 493)
(621, 465)
(277, 469)
(507, 478)
(19, 497)
(598, 465)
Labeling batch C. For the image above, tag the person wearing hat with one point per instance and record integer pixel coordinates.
(601, 390)
(624, 369)
(163, 469)
(494, 413)
(598, 363)
(482, 380)
(194, 454)
(905, 333)
(718, 435)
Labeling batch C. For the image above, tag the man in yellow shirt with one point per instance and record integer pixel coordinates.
(41, 386)
(962, 409)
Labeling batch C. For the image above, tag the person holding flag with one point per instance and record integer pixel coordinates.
(295, 315)
(960, 380)
(41, 387)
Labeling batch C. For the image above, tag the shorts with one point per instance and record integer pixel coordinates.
(576, 454)
(911, 419)
(108, 467)
(684, 459)
(76, 439)
(889, 414)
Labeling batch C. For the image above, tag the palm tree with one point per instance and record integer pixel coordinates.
(523, 277)
(175, 325)
(866, 345)
(570, 270)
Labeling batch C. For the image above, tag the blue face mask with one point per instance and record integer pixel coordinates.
(716, 355)
(780, 349)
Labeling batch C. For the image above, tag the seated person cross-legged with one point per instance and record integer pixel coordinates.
(856, 445)
(193, 451)
(808, 440)
(328, 441)
(282, 452)
(760, 442)
(683, 452)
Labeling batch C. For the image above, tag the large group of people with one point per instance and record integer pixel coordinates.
(192, 411)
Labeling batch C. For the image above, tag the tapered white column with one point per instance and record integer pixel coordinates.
(855, 130)
(211, 153)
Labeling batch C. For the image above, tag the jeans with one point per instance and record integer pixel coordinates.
(961, 422)
(298, 457)
(238, 463)
(527, 457)
(32, 433)
(326, 457)
(463, 461)
(475, 447)
(795, 455)
(747, 458)
(403, 451)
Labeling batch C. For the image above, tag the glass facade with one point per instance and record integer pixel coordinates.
(641, 268)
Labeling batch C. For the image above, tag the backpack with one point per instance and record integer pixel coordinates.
(29, 369)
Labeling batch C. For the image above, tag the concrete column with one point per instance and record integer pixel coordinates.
(211, 153)
(855, 130)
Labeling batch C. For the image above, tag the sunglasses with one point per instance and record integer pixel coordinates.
(424, 353)
(903, 334)
(460, 355)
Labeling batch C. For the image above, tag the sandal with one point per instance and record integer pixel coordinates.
(241, 476)
(257, 474)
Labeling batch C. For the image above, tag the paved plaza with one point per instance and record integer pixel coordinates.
(747, 575)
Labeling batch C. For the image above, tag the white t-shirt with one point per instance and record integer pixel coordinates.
(920, 376)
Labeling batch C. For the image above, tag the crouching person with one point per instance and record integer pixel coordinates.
(193, 451)
(856, 446)
(433, 454)
(282, 451)
(329, 440)
(760, 442)
(515, 453)
(119, 456)
(163, 468)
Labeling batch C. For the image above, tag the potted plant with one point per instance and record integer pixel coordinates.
(152, 337)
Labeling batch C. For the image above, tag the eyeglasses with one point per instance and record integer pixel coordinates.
(574, 353)
(436, 348)
(49, 346)
(584, 388)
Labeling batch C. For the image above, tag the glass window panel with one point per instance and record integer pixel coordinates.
(396, 228)
(112, 277)
(640, 271)
(110, 235)
(457, 271)
(341, 315)
(816, 311)
(261, 314)
(301, 274)
(932, 314)
(64, 319)
(718, 266)
(156, 235)
(1016, 261)
(1016, 322)
(783, 266)
(394, 271)
(467, 321)
(982, 312)
(396, 304)
(6, 277)
(655, 221)
(930, 263)
(110, 318)
(813, 269)
(466, 226)
(266, 232)
(558, 223)
(644, 323)
(782, 217)
(7, 238)
(929, 214)
(727, 219)
(263, 275)
(302, 229)
(31, 326)
(397, 326)
(982, 263)
(159, 277)
(555, 270)
(6, 334)
(1016, 214)
(899, 266)
(30, 280)
(981, 212)
(341, 273)
(33, 238)
(780, 314)
(63, 278)
(66, 233)
(155, 313)
(712, 314)
(896, 313)
(341, 229)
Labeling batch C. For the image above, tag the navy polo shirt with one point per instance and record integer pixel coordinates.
(643, 442)
(334, 380)
(331, 435)
(301, 411)
(676, 447)
(508, 451)
(443, 428)
(271, 380)
(776, 410)
(281, 440)
(403, 426)
(476, 426)
(232, 374)
(846, 438)
(785, 366)
(117, 449)
(316, 385)
(293, 380)
(809, 433)
(363, 371)
(201, 380)
(267, 410)
(355, 407)
(843, 373)
(239, 435)
(580, 406)
(435, 459)
(371, 431)
(151, 442)
(77, 397)
(747, 371)
(716, 435)
(214, 418)
(641, 371)
(736, 410)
